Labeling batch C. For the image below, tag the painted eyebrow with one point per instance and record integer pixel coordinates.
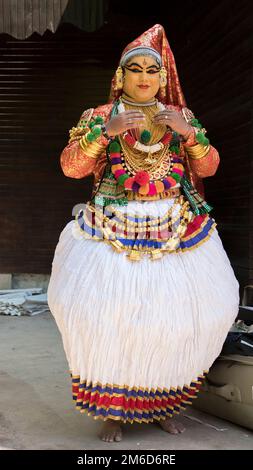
(138, 65)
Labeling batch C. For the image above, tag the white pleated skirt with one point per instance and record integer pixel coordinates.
(140, 336)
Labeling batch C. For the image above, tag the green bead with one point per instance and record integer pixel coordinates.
(200, 138)
(195, 122)
(114, 147)
(145, 136)
(174, 149)
(90, 137)
(96, 131)
(99, 120)
(91, 124)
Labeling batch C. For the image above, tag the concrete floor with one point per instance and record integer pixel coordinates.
(37, 411)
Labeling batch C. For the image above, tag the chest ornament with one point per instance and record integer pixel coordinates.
(137, 175)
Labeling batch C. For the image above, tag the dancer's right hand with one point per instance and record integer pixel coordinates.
(123, 121)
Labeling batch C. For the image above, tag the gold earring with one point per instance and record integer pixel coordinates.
(119, 78)
(163, 81)
(163, 77)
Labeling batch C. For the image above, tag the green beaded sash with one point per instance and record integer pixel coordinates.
(109, 191)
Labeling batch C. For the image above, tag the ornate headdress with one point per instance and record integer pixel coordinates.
(153, 42)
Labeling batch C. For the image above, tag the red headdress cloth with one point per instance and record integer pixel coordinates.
(155, 37)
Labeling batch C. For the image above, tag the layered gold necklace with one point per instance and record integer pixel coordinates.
(156, 130)
(136, 160)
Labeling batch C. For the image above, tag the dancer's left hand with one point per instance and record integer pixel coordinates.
(174, 120)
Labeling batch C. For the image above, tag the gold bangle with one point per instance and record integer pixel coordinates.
(74, 131)
(94, 145)
(195, 149)
(84, 146)
(199, 152)
(194, 157)
(92, 149)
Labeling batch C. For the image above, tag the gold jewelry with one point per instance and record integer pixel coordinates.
(167, 194)
(197, 151)
(119, 79)
(163, 81)
(163, 77)
(92, 149)
(125, 100)
(157, 131)
(76, 133)
(135, 160)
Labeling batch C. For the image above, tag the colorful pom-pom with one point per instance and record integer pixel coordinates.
(122, 178)
(152, 189)
(159, 186)
(171, 181)
(96, 131)
(90, 137)
(115, 155)
(115, 160)
(128, 183)
(99, 120)
(166, 183)
(144, 189)
(178, 171)
(119, 172)
(142, 177)
(176, 176)
(174, 149)
(195, 122)
(178, 165)
(135, 187)
(116, 167)
(201, 139)
(114, 147)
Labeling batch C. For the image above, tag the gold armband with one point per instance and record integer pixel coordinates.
(92, 149)
(197, 151)
(75, 133)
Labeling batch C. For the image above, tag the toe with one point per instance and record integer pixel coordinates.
(173, 430)
(118, 436)
(180, 427)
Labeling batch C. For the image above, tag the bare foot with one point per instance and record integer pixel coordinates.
(172, 426)
(111, 431)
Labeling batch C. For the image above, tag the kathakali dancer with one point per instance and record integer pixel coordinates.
(141, 288)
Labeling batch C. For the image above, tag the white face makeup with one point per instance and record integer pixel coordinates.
(141, 81)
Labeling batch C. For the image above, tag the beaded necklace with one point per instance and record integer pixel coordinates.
(140, 180)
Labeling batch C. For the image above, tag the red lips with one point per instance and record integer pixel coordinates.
(144, 87)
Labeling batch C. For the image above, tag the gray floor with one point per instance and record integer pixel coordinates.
(37, 411)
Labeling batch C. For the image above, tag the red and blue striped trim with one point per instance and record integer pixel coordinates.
(132, 404)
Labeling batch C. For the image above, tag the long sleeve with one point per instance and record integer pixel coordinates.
(75, 163)
(73, 159)
(207, 165)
